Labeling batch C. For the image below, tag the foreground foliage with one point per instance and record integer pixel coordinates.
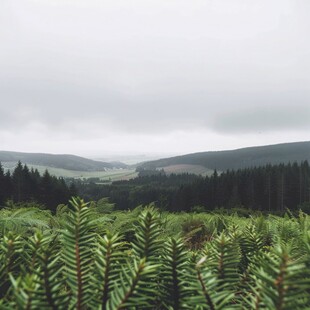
(83, 259)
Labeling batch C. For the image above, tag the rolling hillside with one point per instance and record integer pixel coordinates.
(199, 163)
(240, 158)
(67, 162)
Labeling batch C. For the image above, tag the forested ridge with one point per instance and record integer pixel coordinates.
(239, 158)
(268, 188)
(62, 161)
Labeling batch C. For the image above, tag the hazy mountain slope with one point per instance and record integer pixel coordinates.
(69, 162)
(240, 158)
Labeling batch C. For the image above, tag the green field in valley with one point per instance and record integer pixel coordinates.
(105, 176)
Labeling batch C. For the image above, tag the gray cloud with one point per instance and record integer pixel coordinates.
(264, 119)
(154, 67)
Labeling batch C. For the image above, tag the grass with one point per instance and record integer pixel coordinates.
(105, 176)
(184, 168)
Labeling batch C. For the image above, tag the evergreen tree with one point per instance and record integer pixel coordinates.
(2, 185)
(18, 182)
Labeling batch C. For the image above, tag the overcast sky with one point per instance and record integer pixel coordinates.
(97, 77)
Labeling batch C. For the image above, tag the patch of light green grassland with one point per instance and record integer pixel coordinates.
(185, 168)
(105, 176)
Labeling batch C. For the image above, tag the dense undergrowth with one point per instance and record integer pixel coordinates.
(86, 257)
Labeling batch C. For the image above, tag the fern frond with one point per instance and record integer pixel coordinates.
(217, 275)
(133, 288)
(283, 279)
(78, 243)
(147, 230)
(108, 262)
(175, 275)
(11, 247)
(222, 258)
(23, 219)
(207, 294)
(24, 289)
(49, 273)
(250, 242)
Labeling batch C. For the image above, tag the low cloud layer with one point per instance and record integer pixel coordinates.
(101, 70)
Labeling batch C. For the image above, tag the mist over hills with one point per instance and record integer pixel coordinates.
(198, 163)
(239, 158)
(68, 162)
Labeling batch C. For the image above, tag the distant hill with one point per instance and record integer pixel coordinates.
(240, 158)
(68, 162)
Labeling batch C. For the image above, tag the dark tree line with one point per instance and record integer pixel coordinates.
(27, 185)
(146, 188)
(268, 188)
